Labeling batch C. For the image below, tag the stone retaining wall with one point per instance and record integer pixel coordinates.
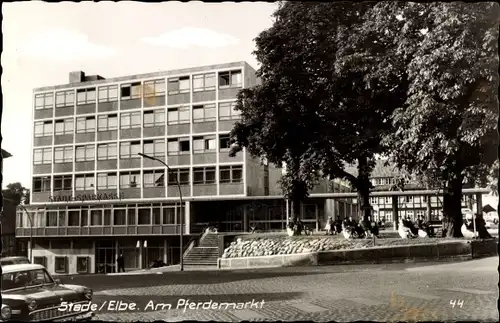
(463, 250)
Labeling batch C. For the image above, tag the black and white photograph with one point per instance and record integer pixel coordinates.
(253, 161)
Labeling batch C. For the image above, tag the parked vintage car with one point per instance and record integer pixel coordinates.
(29, 293)
(13, 261)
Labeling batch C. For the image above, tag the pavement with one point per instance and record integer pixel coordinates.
(430, 291)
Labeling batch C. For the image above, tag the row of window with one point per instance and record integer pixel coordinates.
(117, 217)
(136, 90)
(131, 149)
(132, 179)
(129, 120)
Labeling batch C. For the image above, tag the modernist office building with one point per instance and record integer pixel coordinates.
(93, 196)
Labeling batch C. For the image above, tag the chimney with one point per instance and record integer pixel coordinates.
(76, 77)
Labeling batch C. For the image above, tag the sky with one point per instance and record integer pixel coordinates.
(44, 42)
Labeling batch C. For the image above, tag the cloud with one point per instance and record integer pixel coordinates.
(191, 37)
(61, 44)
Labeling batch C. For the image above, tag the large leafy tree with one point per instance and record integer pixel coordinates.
(314, 110)
(446, 130)
(16, 193)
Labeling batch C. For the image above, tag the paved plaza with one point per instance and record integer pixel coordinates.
(393, 292)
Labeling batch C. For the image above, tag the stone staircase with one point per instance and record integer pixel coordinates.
(205, 252)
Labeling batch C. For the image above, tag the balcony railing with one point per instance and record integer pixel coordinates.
(131, 230)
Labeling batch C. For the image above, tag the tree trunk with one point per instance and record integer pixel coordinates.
(363, 189)
(452, 208)
(429, 208)
(296, 217)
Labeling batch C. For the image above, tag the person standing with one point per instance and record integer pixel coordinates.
(121, 263)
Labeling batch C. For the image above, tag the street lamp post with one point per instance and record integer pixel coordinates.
(181, 213)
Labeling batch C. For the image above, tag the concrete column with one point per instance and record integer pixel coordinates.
(287, 211)
(92, 263)
(140, 254)
(395, 212)
(245, 219)
(187, 217)
(165, 253)
(29, 250)
(117, 254)
(479, 203)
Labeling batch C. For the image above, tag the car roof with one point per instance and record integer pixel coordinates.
(20, 267)
(13, 257)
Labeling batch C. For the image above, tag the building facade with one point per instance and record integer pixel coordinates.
(94, 197)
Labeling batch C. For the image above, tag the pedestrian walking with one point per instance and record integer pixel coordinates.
(121, 263)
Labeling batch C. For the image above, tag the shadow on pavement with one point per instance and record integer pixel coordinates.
(103, 282)
(147, 303)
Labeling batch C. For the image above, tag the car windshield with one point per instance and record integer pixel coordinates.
(26, 278)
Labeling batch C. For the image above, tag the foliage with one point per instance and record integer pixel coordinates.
(313, 111)
(16, 193)
(446, 130)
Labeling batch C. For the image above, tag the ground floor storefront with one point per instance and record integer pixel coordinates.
(91, 255)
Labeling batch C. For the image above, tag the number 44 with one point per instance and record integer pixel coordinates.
(457, 303)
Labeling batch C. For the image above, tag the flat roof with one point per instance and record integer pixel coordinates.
(144, 76)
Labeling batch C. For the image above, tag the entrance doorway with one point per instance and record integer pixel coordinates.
(105, 260)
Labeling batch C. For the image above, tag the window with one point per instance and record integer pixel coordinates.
(204, 113)
(85, 124)
(43, 129)
(82, 265)
(154, 178)
(41, 184)
(204, 82)
(85, 153)
(62, 218)
(95, 217)
(204, 175)
(156, 215)
(154, 147)
(106, 181)
(130, 179)
(230, 79)
(131, 91)
(51, 218)
(42, 156)
(178, 146)
(85, 96)
(130, 120)
(84, 182)
(73, 218)
(154, 88)
(63, 155)
(63, 183)
(60, 265)
(65, 98)
(154, 118)
(203, 144)
(106, 151)
(108, 122)
(170, 215)
(84, 218)
(144, 217)
(108, 93)
(40, 261)
(179, 174)
(44, 101)
(224, 142)
(231, 174)
(227, 111)
(178, 85)
(131, 216)
(178, 115)
(130, 149)
(119, 217)
(64, 127)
